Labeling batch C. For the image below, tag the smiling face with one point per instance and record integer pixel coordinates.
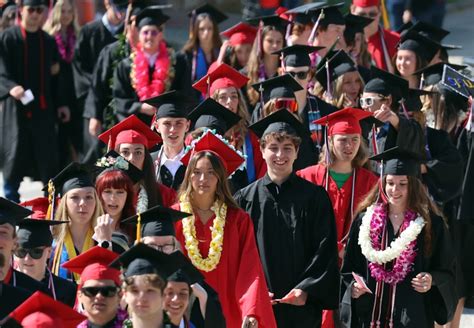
(406, 62)
(34, 267)
(173, 130)
(99, 309)
(203, 178)
(396, 188)
(144, 299)
(67, 14)
(113, 201)
(7, 240)
(176, 299)
(80, 203)
(279, 155)
(150, 36)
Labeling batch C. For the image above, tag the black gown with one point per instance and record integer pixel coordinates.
(214, 316)
(296, 237)
(10, 298)
(28, 137)
(412, 309)
(65, 290)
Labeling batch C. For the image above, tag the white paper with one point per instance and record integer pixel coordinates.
(361, 282)
(27, 97)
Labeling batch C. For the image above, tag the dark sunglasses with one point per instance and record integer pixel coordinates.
(290, 104)
(39, 10)
(35, 253)
(299, 75)
(106, 291)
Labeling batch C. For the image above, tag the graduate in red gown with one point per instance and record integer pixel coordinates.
(227, 255)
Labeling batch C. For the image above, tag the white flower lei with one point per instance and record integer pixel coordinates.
(396, 247)
(142, 203)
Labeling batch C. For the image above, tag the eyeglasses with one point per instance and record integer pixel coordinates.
(35, 253)
(165, 248)
(106, 291)
(39, 10)
(369, 101)
(290, 104)
(299, 75)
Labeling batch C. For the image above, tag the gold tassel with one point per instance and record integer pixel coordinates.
(385, 19)
(139, 229)
(51, 199)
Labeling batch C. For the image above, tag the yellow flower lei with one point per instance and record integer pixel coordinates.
(217, 233)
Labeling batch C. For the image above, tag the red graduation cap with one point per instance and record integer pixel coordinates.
(366, 3)
(41, 311)
(94, 265)
(229, 157)
(344, 121)
(131, 130)
(240, 33)
(222, 76)
(39, 206)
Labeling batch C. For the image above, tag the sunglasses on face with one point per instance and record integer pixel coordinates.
(369, 101)
(290, 104)
(39, 10)
(35, 253)
(299, 75)
(106, 291)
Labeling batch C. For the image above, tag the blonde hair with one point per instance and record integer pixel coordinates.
(53, 24)
(336, 87)
(59, 231)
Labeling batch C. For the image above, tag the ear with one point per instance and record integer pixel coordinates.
(188, 125)
(389, 100)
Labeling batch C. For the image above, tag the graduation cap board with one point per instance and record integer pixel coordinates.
(218, 77)
(11, 212)
(281, 121)
(152, 15)
(297, 55)
(75, 175)
(423, 46)
(326, 14)
(399, 162)
(187, 272)
(272, 20)
(344, 121)
(385, 83)
(156, 221)
(355, 24)
(216, 15)
(432, 74)
(40, 310)
(302, 14)
(283, 86)
(241, 33)
(113, 161)
(174, 104)
(33, 233)
(231, 158)
(336, 64)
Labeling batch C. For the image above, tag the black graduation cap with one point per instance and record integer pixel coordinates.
(399, 162)
(279, 121)
(331, 14)
(139, 5)
(157, 221)
(421, 45)
(210, 114)
(283, 86)
(187, 272)
(339, 63)
(141, 259)
(272, 20)
(413, 102)
(430, 31)
(75, 175)
(385, 83)
(171, 104)
(11, 212)
(217, 15)
(451, 97)
(302, 14)
(120, 4)
(35, 3)
(34, 233)
(114, 161)
(355, 24)
(297, 55)
(152, 15)
(432, 74)
(404, 27)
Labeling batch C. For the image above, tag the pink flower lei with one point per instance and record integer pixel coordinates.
(404, 263)
(140, 73)
(66, 50)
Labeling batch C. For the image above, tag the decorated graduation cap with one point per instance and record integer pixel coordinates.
(42, 311)
(366, 3)
(210, 114)
(283, 86)
(222, 76)
(336, 64)
(142, 259)
(433, 74)
(171, 104)
(34, 233)
(281, 121)
(187, 272)
(131, 130)
(399, 162)
(424, 47)
(344, 121)
(241, 33)
(355, 24)
(152, 15)
(114, 161)
(11, 212)
(230, 158)
(156, 221)
(94, 265)
(385, 83)
(216, 15)
(297, 55)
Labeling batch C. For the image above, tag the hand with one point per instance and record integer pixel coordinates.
(147, 110)
(295, 297)
(348, 102)
(55, 69)
(249, 321)
(422, 282)
(407, 16)
(385, 114)
(423, 169)
(222, 51)
(95, 127)
(199, 291)
(104, 228)
(17, 92)
(64, 114)
(357, 291)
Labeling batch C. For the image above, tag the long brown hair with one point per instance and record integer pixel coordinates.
(359, 160)
(223, 194)
(418, 200)
(336, 87)
(193, 42)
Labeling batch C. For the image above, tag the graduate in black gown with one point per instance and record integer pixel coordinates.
(294, 228)
(34, 249)
(400, 247)
(28, 59)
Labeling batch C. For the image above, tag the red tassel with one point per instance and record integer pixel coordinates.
(43, 102)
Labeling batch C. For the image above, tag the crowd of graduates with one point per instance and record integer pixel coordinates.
(311, 170)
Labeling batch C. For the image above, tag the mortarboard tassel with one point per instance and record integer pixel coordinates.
(51, 200)
(288, 31)
(259, 39)
(191, 23)
(328, 83)
(109, 144)
(375, 149)
(262, 102)
(208, 92)
(139, 229)
(312, 36)
(404, 108)
(422, 81)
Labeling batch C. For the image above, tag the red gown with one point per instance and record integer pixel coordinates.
(374, 47)
(238, 278)
(168, 195)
